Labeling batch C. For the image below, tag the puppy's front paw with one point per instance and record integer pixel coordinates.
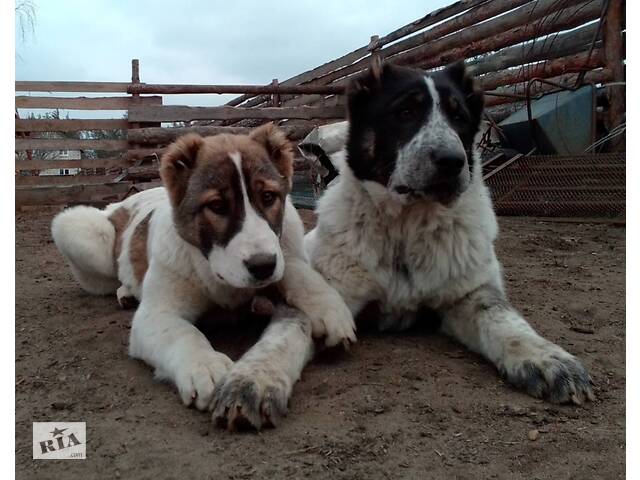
(331, 318)
(544, 370)
(198, 375)
(251, 398)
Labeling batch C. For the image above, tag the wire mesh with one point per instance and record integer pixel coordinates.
(591, 185)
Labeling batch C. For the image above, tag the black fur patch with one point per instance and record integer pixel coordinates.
(387, 110)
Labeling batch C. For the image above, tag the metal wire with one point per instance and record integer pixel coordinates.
(587, 185)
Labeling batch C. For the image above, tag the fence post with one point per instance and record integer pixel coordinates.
(374, 50)
(613, 57)
(275, 97)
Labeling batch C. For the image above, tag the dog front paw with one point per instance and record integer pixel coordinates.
(198, 375)
(547, 371)
(331, 318)
(251, 398)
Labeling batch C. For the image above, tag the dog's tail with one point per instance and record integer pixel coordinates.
(86, 237)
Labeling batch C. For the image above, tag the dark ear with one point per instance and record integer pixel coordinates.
(360, 89)
(177, 165)
(462, 75)
(278, 146)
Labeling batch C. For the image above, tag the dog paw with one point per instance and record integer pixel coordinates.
(331, 318)
(126, 299)
(547, 371)
(250, 399)
(198, 376)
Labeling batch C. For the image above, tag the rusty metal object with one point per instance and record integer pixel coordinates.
(561, 186)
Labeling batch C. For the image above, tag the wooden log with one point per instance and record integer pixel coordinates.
(53, 180)
(472, 33)
(500, 112)
(59, 195)
(614, 56)
(171, 113)
(134, 154)
(105, 163)
(83, 103)
(494, 97)
(69, 144)
(551, 16)
(167, 89)
(553, 46)
(573, 63)
(144, 174)
(135, 71)
(47, 125)
(510, 29)
(430, 19)
(97, 87)
(472, 17)
(163, 136)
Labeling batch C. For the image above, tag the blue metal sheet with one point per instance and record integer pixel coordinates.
(564, 123)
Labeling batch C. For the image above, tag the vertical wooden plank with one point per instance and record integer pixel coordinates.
(614, 56)
(135, 78)
(275, 97)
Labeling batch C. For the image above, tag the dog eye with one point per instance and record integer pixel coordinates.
(268, 198)
(406, 113)
(218, 206)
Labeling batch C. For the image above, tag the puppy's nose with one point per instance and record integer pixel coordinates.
(261, 265)
(449, 165)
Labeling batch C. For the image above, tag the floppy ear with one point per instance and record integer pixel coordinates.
(177, 165)
(462, 75)
(278, 146)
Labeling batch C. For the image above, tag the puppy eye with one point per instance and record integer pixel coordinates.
(217, 206)
(407, 113)
(268, 198)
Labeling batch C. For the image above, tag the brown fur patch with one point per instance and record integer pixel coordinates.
(196, 171)
(120, 219)
(138, 248)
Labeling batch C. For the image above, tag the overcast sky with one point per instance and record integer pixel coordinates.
(215, 42)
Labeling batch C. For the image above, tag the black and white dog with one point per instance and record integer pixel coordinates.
(409, 224)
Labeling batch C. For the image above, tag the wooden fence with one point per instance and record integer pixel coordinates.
(508, 42)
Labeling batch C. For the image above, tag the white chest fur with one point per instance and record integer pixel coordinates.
(412, 255)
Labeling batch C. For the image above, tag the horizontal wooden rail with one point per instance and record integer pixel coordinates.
(573, 63)
(97, 87)
(568, 80)
(68, 144)
(112, 162)
(170, 113)
(168, 89)
(85, 103)
(59, 195)
(160, 136)
(53, 180)
(68, 125)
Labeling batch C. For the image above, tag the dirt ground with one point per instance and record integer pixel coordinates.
(414, 405)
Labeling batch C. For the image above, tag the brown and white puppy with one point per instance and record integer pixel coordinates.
(222, 228)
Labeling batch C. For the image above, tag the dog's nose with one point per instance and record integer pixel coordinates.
(261, 266)
(449, 165)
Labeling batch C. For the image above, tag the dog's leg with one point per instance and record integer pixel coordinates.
(256, 390)
(163, 335)
(485, 322)
(305, 289)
